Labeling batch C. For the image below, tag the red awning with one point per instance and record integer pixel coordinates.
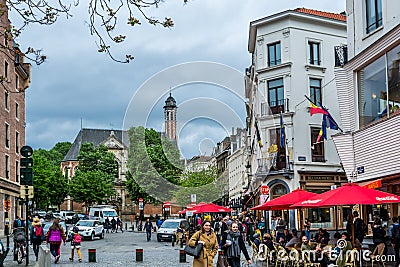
(286, 201)
(349, 194)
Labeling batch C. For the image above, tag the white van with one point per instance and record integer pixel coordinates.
(101, 212)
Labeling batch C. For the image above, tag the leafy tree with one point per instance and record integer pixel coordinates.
(105, 19)
(93, 182)
(207, 184)
(51, 187)
(154, 166)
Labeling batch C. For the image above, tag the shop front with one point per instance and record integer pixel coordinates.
(319, 182)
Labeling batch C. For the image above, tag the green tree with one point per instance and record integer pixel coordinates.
(94, 180)
(51, 187)
(207, 184)
(154, 166)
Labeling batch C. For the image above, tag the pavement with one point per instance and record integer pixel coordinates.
(119, 249)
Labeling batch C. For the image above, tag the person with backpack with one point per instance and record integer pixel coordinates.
(54, 237)
(36, 235)
(394, 233)
(76, 240)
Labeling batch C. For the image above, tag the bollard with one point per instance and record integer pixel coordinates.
(181, 242)
(173, 239)
(182, 255)
(126, 226)
(92, 255)
(139, 254)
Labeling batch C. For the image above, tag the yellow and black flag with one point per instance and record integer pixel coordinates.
(259, 141)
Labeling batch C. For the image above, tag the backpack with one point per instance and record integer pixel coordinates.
(77, 238)
(38, 231)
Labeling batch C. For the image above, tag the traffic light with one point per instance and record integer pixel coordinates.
(26, 172)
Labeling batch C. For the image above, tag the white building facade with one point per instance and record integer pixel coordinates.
(369, 97)
(293, 57)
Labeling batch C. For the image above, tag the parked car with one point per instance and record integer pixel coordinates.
(40, 213)
(90, 229)
(169, 227)
(57, 215)
(67, 215)
(46, 226)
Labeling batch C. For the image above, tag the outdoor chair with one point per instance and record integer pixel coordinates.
(376, 255)
(282, 257)
(266, 255)
(351, 258)
(255, 251)
(295, 259)
(307, 261)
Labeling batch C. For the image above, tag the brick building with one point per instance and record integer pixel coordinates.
(14, 80)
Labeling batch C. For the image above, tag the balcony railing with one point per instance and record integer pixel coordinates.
(340, 55)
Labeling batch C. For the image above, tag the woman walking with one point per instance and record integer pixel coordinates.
(54, 237)
(207, 237)
(233, 244)
(36, 235)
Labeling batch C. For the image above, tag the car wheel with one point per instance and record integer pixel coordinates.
(159, 239)
(92, 236)
(102, 235)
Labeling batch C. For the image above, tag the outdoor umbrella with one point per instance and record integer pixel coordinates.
(348, 194)
(286, 201)
(210, 208)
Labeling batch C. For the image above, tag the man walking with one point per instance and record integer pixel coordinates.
(148, 226)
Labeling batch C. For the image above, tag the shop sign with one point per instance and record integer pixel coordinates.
(319, 178)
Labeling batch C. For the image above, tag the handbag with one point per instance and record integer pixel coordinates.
(222, 260)
(194, 251)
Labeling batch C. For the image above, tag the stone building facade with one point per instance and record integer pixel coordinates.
(14, 80)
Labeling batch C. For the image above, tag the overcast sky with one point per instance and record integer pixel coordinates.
(77, 86)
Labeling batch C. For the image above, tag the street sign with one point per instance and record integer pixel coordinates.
(263, 199)
(264, 190)
(167, 205)
(140, 203)
(193, 198)
(26, 191)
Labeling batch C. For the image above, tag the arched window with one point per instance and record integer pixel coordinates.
(278, 190)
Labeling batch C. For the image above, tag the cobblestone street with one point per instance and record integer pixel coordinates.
(118, 249)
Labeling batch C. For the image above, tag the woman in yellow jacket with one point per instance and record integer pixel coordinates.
(210, 245)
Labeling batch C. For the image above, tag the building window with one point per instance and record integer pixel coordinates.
(316, 91)
(276, 95)
(378, 93)
(17, 171)
(374, 14)
(6, 70)
(7, 137)
(279, 160)
(314, 53)
(274, 54)
(7, 169)
(17, 110)
(317, 148)
(16, 81)
(278, 190)
(17, 142)
(7, 100)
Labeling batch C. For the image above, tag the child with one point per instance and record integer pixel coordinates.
(75, 239)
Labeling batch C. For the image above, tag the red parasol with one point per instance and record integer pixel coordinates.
(210, 208)
(286, 201)
(348, 194)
